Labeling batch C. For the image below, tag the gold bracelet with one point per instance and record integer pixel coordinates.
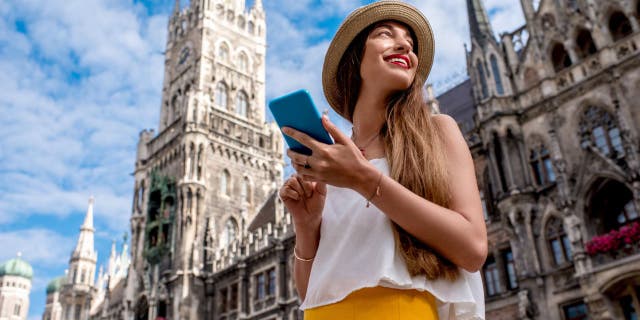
(295, 254)
(376, 193)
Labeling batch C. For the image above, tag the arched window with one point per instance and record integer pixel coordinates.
(243, 62)
(252, 27)
(584, 44)
(619, 26)
(496, 75)
(223, 52)
(541, 165)
(225, 183)
(230, 232)
(241, 104)
(221, 95)
(245, 191)
(483, 80)
(558, 241)
(560, 57)
(598, 128)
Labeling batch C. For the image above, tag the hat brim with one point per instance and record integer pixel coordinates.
(360, 19)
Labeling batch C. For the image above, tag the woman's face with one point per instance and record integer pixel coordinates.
(389, 62)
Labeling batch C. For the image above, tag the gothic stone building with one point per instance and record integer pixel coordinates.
(206, 225)
(551, 115)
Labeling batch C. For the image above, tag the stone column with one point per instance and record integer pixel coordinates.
(507, 164)
(524, 162)
(493, 169)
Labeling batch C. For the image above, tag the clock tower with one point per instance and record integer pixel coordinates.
(202, 178)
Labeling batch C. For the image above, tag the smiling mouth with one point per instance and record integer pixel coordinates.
(399, 60)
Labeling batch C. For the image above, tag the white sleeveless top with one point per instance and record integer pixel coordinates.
(357, 250)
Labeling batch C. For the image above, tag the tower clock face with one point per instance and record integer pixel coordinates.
(184, 55)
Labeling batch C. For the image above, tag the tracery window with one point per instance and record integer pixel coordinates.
(558, 241)
(541, 165)
(599, 128)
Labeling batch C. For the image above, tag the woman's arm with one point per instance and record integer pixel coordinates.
(306, 247)
(459, 233)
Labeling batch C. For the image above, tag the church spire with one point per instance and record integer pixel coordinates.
(176, 7)
(479, 25)
(85, 247)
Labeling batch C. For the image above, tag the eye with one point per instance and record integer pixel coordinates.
(385, 32)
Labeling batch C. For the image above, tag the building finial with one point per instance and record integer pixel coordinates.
(258, 5)
(479, 23)
(176, 8)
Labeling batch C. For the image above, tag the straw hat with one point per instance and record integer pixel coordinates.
(360, 19)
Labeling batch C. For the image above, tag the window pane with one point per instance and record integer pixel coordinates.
(601, 140)
(272, 282)
(616, 141)
(537, 171)
(488, 277)
(567, 248)
(576, 311)
(551, 176)
(558, 255)
(511, 270)
(260, 287)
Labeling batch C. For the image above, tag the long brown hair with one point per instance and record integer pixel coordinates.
(414, 150)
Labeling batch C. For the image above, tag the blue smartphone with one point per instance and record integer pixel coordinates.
(297, 110)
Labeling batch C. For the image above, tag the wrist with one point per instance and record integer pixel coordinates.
(367, 180)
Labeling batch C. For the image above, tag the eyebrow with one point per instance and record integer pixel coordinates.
(388, 26)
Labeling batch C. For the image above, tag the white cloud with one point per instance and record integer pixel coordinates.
(84, 81)
(39, 247)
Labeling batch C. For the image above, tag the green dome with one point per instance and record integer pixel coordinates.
(55, 284)
(16, 267)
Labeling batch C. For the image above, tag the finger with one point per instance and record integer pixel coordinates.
(335, 133)
(305, 186)
(303, 138)
(301, 170)
(297, 157)
(321, 188)
(293, 184)
(290, 194)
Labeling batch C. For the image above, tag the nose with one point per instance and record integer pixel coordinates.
(403, 45)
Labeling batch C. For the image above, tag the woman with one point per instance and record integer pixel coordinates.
(415, 253)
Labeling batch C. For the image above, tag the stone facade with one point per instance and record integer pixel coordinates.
(548, 112)
(211, 170)
(554, 136)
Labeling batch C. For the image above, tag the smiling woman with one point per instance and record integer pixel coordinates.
(413, 166)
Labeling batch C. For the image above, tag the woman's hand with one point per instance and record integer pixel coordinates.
(340, 164)
(305, 201)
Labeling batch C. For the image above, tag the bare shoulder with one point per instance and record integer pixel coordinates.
(455, 145)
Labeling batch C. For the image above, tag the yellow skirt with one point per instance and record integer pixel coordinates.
(379, 303)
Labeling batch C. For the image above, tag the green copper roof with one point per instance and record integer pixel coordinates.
(16, 267)
(55, 284)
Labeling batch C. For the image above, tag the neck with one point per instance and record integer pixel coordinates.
(369, 113)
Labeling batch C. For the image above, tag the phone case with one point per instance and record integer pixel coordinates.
(297, 110)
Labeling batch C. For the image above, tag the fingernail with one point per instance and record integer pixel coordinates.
(285, 130)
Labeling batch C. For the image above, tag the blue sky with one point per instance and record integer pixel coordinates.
(81, 78)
